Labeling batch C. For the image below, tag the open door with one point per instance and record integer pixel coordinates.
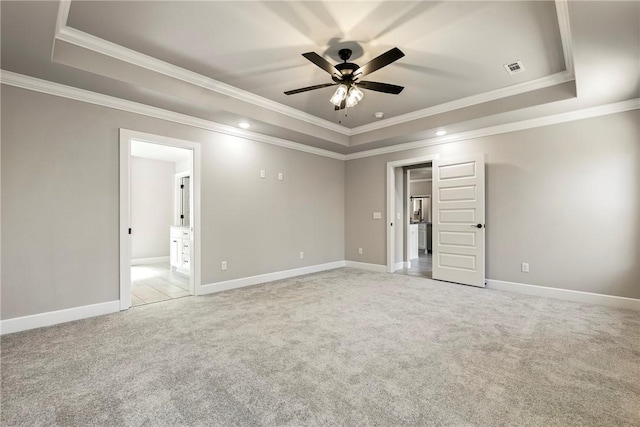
(458, 220)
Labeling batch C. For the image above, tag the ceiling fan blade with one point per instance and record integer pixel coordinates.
(381, 61)
(381, 87)
(323, 63)
(305, 89)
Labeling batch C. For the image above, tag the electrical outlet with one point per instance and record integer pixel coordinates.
(398, 216)
(525, 267)
(223, 265)
(360, 251)
(263, 173)
(280, 176)
(301, 255)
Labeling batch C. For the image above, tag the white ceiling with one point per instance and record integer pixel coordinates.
(453, 49)
(226, 61)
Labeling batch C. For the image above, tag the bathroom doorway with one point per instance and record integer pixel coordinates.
(416, 194)
(159, 214)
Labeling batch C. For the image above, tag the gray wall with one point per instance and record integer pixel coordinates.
(564, 198)
(60, 203)
(420, 188)
(152, 206)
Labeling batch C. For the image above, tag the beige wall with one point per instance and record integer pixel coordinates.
(564, 198)
(60, 203)
(152, 206)
(420, 188)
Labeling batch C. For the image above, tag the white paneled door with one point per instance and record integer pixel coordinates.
(458, 220)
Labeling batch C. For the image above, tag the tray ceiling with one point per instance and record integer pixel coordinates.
(212, 64)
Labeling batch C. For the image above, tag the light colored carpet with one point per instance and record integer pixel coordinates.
(343, 347)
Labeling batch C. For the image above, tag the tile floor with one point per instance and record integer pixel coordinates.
(422, 267)
(155, 283)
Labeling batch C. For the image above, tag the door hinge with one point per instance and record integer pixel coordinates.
(181, 216)
(129, 231)
(181, 185)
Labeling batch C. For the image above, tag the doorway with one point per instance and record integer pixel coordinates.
(458, 205)
(417, 220)
(159, 219)
(399, 210)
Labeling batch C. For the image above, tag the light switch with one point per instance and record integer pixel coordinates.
(377, 215)
(280, 176)
(263, 174)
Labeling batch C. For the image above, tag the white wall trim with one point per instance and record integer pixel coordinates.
(391, 204)
(565, 294)
(121, 53)
(40, 320)
(126, 136)
(366, 266)
(268, 277)
(154, 260)
(585, 113)
(402, 265)
(552, 80)
(38, 85)
(56, 89)
(61, 19)
(104, 47)
(562, 10)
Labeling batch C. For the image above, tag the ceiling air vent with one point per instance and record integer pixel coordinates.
(514, 67)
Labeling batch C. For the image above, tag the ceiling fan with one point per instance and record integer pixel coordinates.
(347, 77)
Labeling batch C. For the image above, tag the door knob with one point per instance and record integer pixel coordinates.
(477, 226)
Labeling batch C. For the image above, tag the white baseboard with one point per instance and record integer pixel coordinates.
(365, 266)
(565, 294)
(264, 278)
(24, 323)
(156, 260)
(402, 265)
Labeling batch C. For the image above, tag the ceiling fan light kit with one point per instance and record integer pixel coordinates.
(339, 95)
(355, 96)
(347, 76)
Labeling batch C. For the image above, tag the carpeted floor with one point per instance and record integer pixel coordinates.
(344, 347)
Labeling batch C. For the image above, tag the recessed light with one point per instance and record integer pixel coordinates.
(244, 125)
(441, 132)
(379, 115)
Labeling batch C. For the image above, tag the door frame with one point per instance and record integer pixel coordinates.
(126, 136)
(391, 208)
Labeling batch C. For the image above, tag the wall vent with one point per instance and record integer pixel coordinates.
(514, 67)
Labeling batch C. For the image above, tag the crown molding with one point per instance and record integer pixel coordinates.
(562, 10)
(31, 83)
(121, 53)
(96, 44)
(601, 110)
(38, 85)
(552, 80)
(63, 15)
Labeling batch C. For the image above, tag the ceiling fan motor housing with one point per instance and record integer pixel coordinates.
(346, 68)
